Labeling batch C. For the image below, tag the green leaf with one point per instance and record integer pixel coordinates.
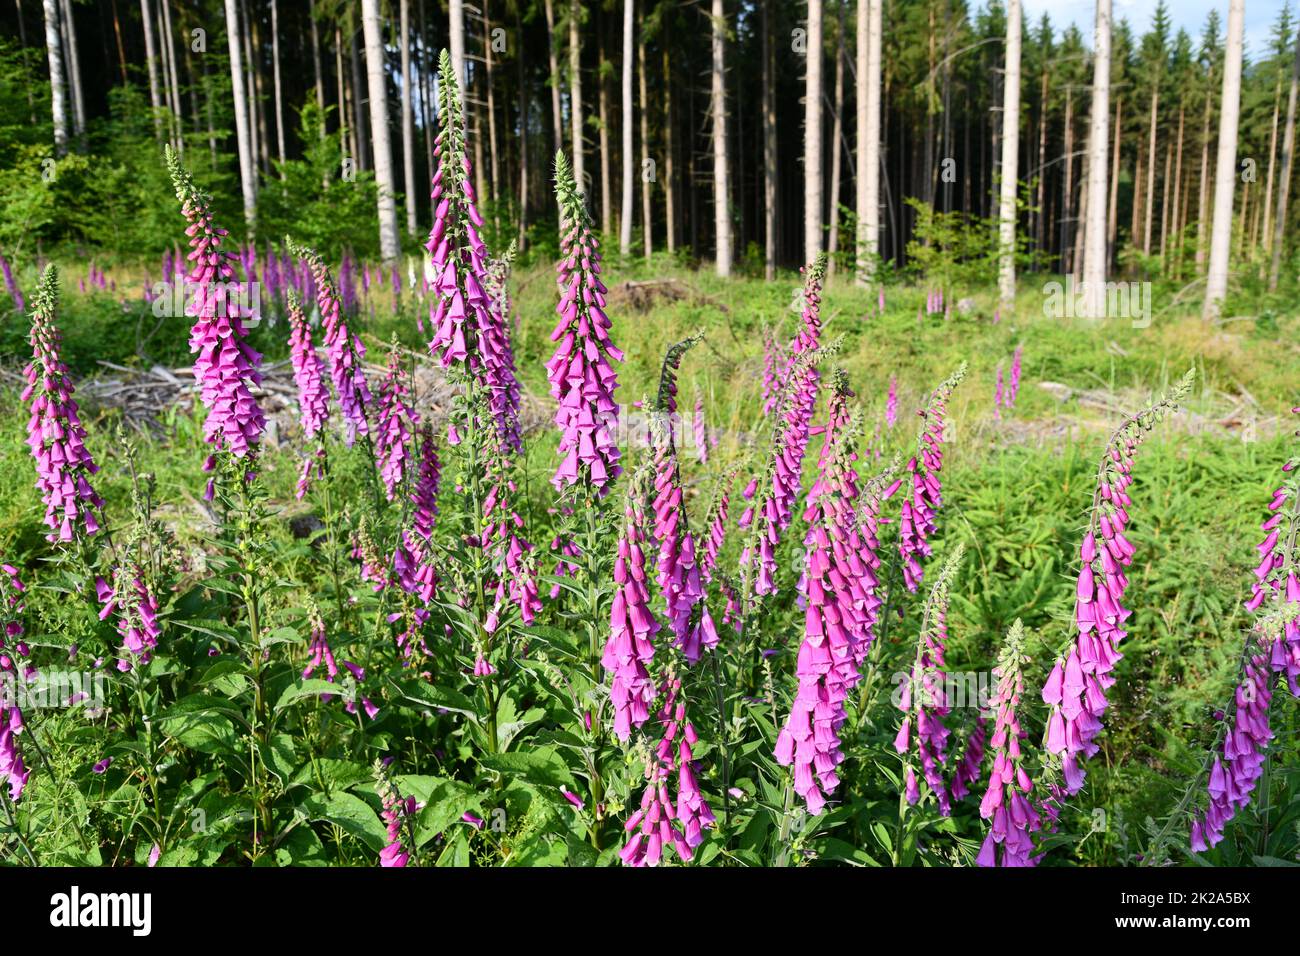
(351, 813)
(543, 766)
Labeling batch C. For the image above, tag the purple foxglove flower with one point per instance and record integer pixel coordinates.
(629, 648)
(662, 823)
(1273, 647)
(1075, 689)
(55, 435)
(1013, 383)
(227, 367)
(700, 431)
(397, 812)
(918, 519)
(998, 395)
(308, 372)
(129, 599)
(837, 592)
(678, 569)
(11, 285)
(498, 354)
(967, 773)
(344, 351)
(424, 495)
(924, 701)
(393, 429)
(13, 772)
(716, 523)
(580, 372)
(891, 402)
(1007, 801)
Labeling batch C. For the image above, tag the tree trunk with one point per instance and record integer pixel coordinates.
(1068, 212)
(1094, 253)
(625, 218)
(1216, 286)
(718, 106)
(522, 237)
(346, 141)
(557, 116)
(259, 100)
(1202, 199)
(151, 60)
(169, 44)
(275, 79)
(1112, 216)
(602, 113)
(1284, 174)
(372, 27)
(456, 40)
(494, 153)
(670, 146)
(647, 233)
(74, 72)
(247, 174)
(1175, 225)
(812, 155)
(575, 99)
(1150, 204)
(1010, 155)
(769, 146)
(58, 90)
(1272, 154)
(1164, 204)
(837, 134)
(361, 134)
(315, 62)
(408, 117)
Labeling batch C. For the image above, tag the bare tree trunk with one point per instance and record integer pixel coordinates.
(408, 117)
(837, 134)
(427, 108)
(1010, 157)
(557, 116)
(74, 72)
(151, 60)
(1176, 222)
(456, 40)
(259, 100)
(769, 146)
(1094, 253)
(1081, 233)
(625, 220)
(372, 27)
(1150, 203)
(523, 138)
(869, 113)
(169, 44)
(315, 61)
(670, 185)
(1164, 203)
(1202, 200)
(247, 174)
(575, 99)
(1216, 286)
(1272, 155)
(1069, 223)
(493, 152)
(275, 77)
(602, 113)
(812, 131)
(1284, 175)
(646, 212)
(361, 135)
(718, 106)
(347, 143)
(58, 90)
(1112, 216)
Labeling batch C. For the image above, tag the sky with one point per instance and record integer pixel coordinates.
(1188, 14)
